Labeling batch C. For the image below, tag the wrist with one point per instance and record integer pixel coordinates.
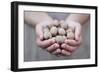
(44, 18)
(46, 22)
(73, 22)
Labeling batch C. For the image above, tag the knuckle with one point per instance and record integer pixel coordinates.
(71, 49)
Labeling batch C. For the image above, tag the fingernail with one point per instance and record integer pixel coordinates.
(59, 50)
(64, 46)
(53, 41)
(56, 45)
(66, 41)
(66, 53)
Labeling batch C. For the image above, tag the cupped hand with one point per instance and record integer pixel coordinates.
(70, 45)
(50, 45)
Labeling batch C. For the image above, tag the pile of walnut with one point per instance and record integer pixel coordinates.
(59, 31)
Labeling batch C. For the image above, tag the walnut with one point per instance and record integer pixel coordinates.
(63, 25)
(61, 31)
(64, 37)
(47, 35)
(70, 34)
(55, 23)
(59, 39)
(53, 31)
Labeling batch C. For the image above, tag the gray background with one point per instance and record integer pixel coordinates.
(33, 53)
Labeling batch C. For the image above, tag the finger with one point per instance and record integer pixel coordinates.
(47, 23)
(61, 22)
(39, 31)
(73, 42)
(52, 47)
(68, 48)
(70, 24)
(57, 51)
(77, 31)
(65, 53)
(45, 43)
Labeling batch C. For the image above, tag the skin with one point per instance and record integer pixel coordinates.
(39, 19)
(74, 21)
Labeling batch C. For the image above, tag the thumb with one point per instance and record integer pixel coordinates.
(77, 32)
(39, 31)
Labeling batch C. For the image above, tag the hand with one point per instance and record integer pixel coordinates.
(49, 44)
(70, 45)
